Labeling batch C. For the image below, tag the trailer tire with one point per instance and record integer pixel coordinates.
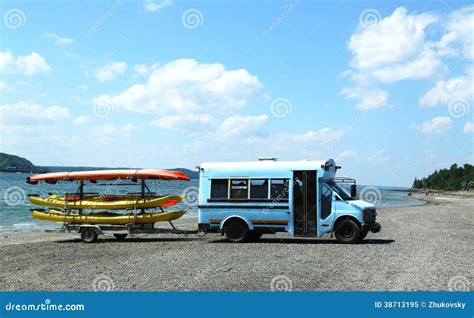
(236, 231)
(89, 235)
(120, 236)
(348, 232)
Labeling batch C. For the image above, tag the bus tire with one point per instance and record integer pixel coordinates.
(236, 231)
(88, 235)
(348, 232)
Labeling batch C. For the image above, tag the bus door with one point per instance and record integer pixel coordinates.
(304, 203)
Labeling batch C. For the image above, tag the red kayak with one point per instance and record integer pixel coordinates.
(109, 175)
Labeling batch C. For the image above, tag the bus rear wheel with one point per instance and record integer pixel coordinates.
(348, 232)
(236, 231)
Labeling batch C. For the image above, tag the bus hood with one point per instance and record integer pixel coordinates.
(361, 205)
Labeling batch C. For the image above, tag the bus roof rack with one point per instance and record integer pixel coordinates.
(268, 159)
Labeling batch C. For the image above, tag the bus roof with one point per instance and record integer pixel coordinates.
(269, 167)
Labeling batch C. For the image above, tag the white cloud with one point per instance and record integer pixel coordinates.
(245, 128)
(4, 87)
(324, 136)
(393, 46)
(155, 6)
(26, 64)
(185, 86)
(109, 131)
(458, 40)
(369, 98)
(110, 71)
(24, 111)
(469, 127)
(393, 50)
(185, 122)
(58, 40)
(446, 91)
(437, 125)
(143, 69)
(81, 120)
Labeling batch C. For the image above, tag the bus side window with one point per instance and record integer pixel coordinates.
(279, 188)
(239, 189)
(258, 189)
(219, 188)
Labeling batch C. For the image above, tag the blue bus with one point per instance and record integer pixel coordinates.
(244, 200)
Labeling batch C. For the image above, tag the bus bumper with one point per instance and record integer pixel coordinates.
(372, 227)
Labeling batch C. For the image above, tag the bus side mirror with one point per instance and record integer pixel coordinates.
(353, 190)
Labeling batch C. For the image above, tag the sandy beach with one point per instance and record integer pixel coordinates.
(428, 247)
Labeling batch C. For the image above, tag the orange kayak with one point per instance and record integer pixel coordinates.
(110, 175)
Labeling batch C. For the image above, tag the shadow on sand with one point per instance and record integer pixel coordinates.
(308, 241)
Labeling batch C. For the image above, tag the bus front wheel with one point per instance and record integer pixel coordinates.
(348, 232)
(236, 231)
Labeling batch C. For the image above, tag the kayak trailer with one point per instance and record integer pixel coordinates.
(90, 232)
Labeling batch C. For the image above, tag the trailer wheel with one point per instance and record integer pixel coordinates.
(236, 231)
(89, 235)
(348, 232)
(120, 236)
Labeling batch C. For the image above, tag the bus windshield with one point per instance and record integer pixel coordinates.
(341, 191)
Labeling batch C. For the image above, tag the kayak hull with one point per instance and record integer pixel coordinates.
(102, 203)
(106, 218)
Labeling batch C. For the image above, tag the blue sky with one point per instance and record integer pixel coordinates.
(384, 88)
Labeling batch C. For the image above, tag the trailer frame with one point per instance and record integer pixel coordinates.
(89, 233)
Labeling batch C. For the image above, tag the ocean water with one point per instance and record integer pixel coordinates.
(15, 215)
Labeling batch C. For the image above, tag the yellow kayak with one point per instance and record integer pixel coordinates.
(106, 218)
(106, 202)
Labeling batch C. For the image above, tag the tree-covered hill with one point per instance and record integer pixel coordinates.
(454, 178)
(12, 163)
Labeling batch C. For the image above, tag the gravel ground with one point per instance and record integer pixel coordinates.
(428, 247)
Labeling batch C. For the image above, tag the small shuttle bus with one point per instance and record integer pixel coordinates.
(244, 200)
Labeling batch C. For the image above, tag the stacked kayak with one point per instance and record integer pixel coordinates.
(106, 218)
(80, 208)
(105, 202)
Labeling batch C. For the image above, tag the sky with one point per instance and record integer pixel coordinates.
(384, 88)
